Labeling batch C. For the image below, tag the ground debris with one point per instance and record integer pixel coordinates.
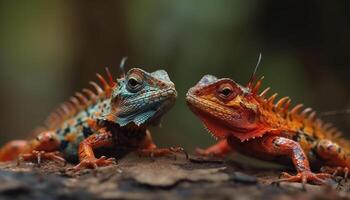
(164, 178)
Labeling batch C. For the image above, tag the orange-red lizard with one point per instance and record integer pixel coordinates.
(245, 120)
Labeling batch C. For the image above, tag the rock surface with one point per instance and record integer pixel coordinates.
(164, 178)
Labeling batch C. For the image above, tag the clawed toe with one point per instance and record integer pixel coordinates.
(305, 177)
(39, 156)
(93, 163)
(336, 171)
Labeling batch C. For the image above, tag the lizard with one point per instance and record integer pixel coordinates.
(116, 117)
(248, 121)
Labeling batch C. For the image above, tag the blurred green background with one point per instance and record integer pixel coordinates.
(49, 49)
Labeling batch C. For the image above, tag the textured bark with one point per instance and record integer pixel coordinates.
(164, 178)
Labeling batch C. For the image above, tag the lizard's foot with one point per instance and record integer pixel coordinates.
(334, 171)
(94, 163)
(39, 156)
(305, 177)
(158, 152)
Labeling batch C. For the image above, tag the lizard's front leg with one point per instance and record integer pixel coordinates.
(280, 146)
(148, 148)
(86, 151)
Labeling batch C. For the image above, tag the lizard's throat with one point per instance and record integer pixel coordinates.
(221, 128)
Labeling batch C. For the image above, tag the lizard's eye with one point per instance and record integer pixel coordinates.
(134, 84)
(225, 91)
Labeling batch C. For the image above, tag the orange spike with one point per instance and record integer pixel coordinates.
(296, 109)
(287, 104)
(90, 93)
(107, 88)
(103, 81)
(97, 87)
(82, 98)
(60, 113)
(263, 93)
(327, 126)
(337, 134)
(110, 77)
(318, 123)
(305, 112)
(332, 131)
(55, 116)
(280, 103)
(75, 102)
(71, 107)
(257, 85)
(65, 109)
(272, 99)
(312, 116)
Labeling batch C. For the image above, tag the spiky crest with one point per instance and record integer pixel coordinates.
(263, 93)
(82, 100)
(306, 115)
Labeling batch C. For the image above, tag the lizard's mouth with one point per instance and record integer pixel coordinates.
(162, 107)
(209, 116)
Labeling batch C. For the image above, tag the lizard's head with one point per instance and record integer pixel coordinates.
(142, 98)
(225, 107)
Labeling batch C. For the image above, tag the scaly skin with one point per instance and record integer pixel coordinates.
(246, 121)
(116, 117)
